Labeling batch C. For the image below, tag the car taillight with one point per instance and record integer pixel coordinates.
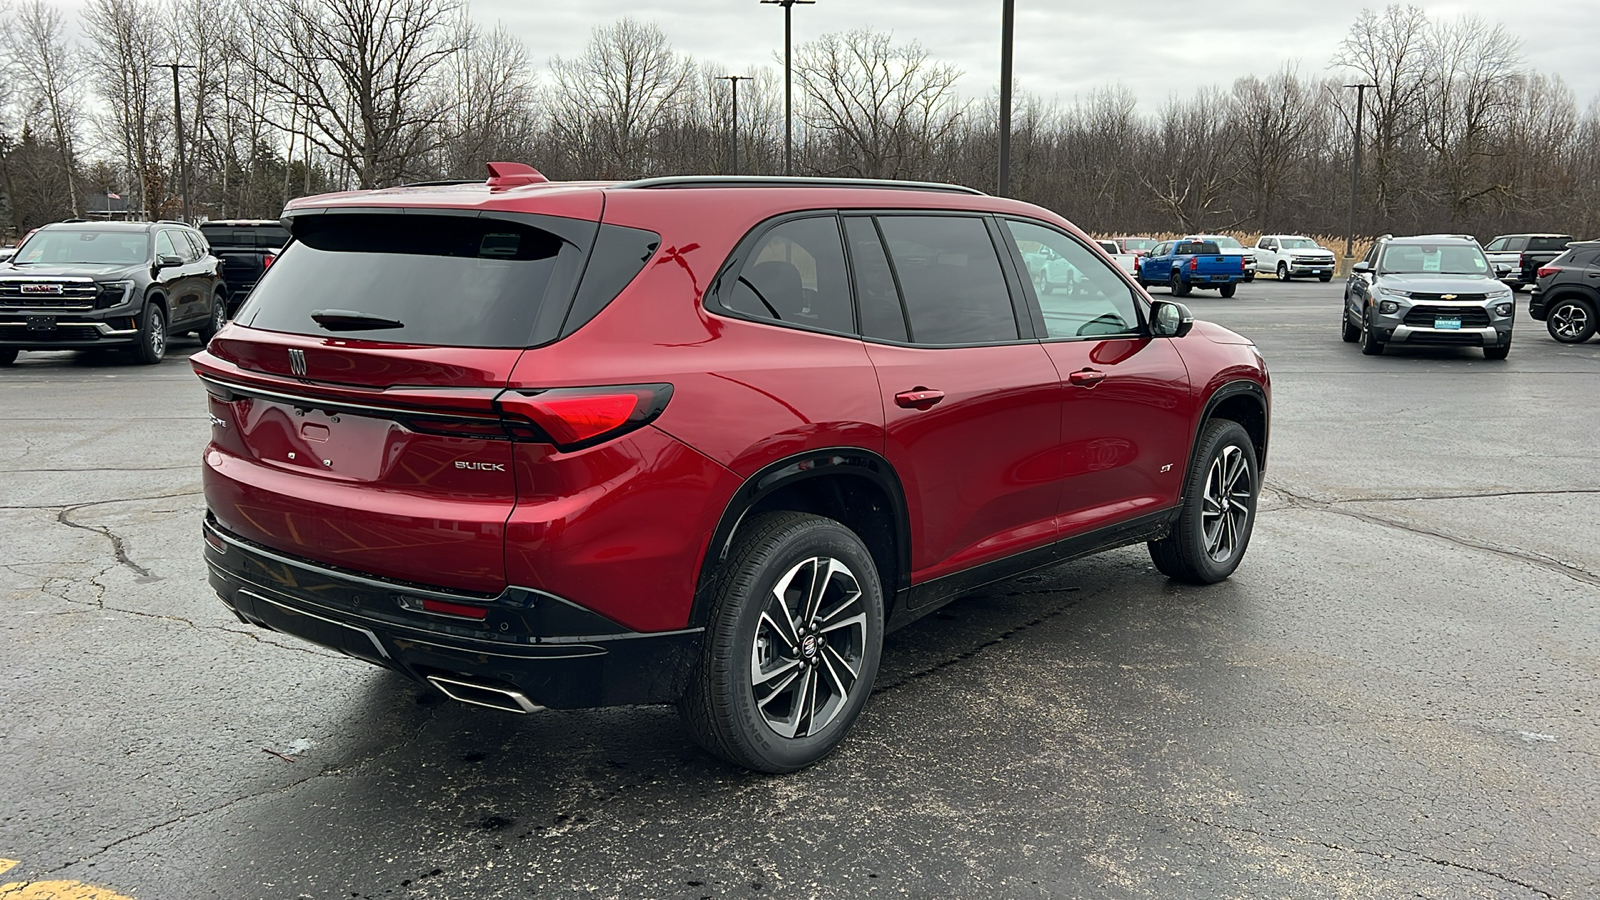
(1547, 271)
(268, 260)
(1194, 264)
(1241, 264)
(574, 418)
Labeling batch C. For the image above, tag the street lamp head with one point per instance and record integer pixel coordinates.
(787, 3)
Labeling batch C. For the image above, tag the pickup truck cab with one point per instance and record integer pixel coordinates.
(1523, 254)
(1291, 255)
(1188, 264)
(1230, 246)
(247, 247)
(1127, 262)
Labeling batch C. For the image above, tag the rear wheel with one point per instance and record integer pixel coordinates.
(1213, 529)
(217, 319)
(1228, 290)
(792, 645)
(1178, 286)
(7, 357)
(1283, 272)
(152, 346)
(1571, 321)
(1371, 345)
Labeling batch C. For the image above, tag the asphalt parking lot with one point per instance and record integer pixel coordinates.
(1398, 694)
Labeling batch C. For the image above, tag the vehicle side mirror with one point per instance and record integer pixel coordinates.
(1169, 319)
(165, 262)
(1362, 267)
(1502, 270)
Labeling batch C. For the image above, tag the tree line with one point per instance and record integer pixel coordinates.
(283, 99)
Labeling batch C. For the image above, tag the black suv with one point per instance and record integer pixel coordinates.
(1567, 293)
(94, 285)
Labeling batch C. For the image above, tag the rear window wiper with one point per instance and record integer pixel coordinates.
(352, 320)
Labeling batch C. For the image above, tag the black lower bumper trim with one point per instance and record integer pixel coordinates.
(554, 652)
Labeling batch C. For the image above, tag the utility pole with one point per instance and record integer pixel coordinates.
(177, 116)
(1008, 21)
(734, 80)
(1355, 166)
(788, 78)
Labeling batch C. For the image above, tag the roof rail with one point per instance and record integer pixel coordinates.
(170, 222)
(758, 181)
(442, 182)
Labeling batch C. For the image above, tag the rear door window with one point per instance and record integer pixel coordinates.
(796, 275)
(1078, 293)
(419, 279)
(950, 278)
(1548, 243)
(877, 299)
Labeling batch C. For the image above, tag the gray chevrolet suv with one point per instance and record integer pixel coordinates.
(1432, 290)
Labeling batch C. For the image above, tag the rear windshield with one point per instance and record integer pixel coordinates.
(1548, 243)
(1138, 243)
(1201, 248)
(266, 236)
(418, 279)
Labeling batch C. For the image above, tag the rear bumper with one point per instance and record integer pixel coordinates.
(537, 645)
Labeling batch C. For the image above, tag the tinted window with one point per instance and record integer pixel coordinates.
(265, 236)
(796, 274)
(1137, 243)
(1586, 256)
(165, 246)
(1548, 243)
(618, 257)
(1202, 248)
(950, 277)
(877, 299)
(190, 246)
(1517, 243)
(454, 281)
(1078, 293)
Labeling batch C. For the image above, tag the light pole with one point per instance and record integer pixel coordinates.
(177, 116)
(1008, 20)
(734, 81)
(788, 78)
(1355, 166)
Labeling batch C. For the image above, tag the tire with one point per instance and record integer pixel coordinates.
(1283, 272)
(1500, 352)
(1139, 277)
(1350, 333)
(747, 639)
(1206, 546)
(217, 319)
(1324, 278)
(152, 346)
(1370, 345)
(1570, 320)
(8, 356)
(1228, 290)
(1178, 286)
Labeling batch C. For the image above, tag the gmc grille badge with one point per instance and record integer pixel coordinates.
(297, 361)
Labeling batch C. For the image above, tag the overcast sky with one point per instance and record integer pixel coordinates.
(1064, 49)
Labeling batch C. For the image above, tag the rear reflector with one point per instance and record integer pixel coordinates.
(575, 418)
(459, 610)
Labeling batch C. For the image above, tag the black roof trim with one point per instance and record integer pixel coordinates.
(771, 181)
(442, 182)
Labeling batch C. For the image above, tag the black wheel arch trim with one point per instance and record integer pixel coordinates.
(1228, 391)
(850, 462)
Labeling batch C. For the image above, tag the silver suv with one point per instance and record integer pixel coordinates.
(1432, 290)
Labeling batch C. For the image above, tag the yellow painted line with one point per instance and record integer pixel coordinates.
(51, 890)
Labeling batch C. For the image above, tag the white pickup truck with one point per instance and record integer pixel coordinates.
(1290, 255)
(1127, 262)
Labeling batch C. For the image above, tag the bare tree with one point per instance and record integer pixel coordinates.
(493, 114)
(1390, 50)
(1274, 122)
(1470, 90)
(882, 109)
(45, 68)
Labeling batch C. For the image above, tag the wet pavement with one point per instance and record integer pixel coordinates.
(1396, 695)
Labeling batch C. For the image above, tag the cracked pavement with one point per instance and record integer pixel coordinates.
(1396, 695)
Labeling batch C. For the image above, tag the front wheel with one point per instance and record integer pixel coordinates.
(152, 345)
(791, 647)
(1500, 352)
(1228, 290)
(1371, 345)
(1283, 272)
(1571, 321)
(1348, 332)
(1218, 514)
(1324, 278)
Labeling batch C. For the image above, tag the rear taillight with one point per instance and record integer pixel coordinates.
(1547, 271)
(574, 418)
(268, 260)
(1241, 264)
(1194, 264)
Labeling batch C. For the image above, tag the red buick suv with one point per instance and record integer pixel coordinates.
(699, 440)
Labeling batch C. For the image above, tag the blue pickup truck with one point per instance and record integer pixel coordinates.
(1186, 265)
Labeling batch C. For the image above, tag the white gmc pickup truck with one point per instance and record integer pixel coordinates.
(1291, 255)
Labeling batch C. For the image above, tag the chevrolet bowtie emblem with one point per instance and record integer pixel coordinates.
(1447, 296)
(297, 361)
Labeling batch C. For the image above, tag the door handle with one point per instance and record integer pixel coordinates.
(1087, 377)
(918, 398)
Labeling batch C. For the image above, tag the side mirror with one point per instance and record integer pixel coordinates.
(166, 262)
(1170, 320)
(1502, 270)
(1362, 267)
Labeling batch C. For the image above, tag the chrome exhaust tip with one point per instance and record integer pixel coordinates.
(489, 695)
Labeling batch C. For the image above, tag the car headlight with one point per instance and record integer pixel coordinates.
(1496, 295)
(111, 293)
(1503, 309)
(1388, 307)
(1391, 292)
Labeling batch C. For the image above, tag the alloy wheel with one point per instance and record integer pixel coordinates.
(1225, 504)
(1568, 321)
(809, 647)
(158, 332)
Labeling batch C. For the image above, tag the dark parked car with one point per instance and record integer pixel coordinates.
(1521, 255)
(1428, 290)
(105, 285)
(698, 440)
(1566, 296)
(247, 248)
